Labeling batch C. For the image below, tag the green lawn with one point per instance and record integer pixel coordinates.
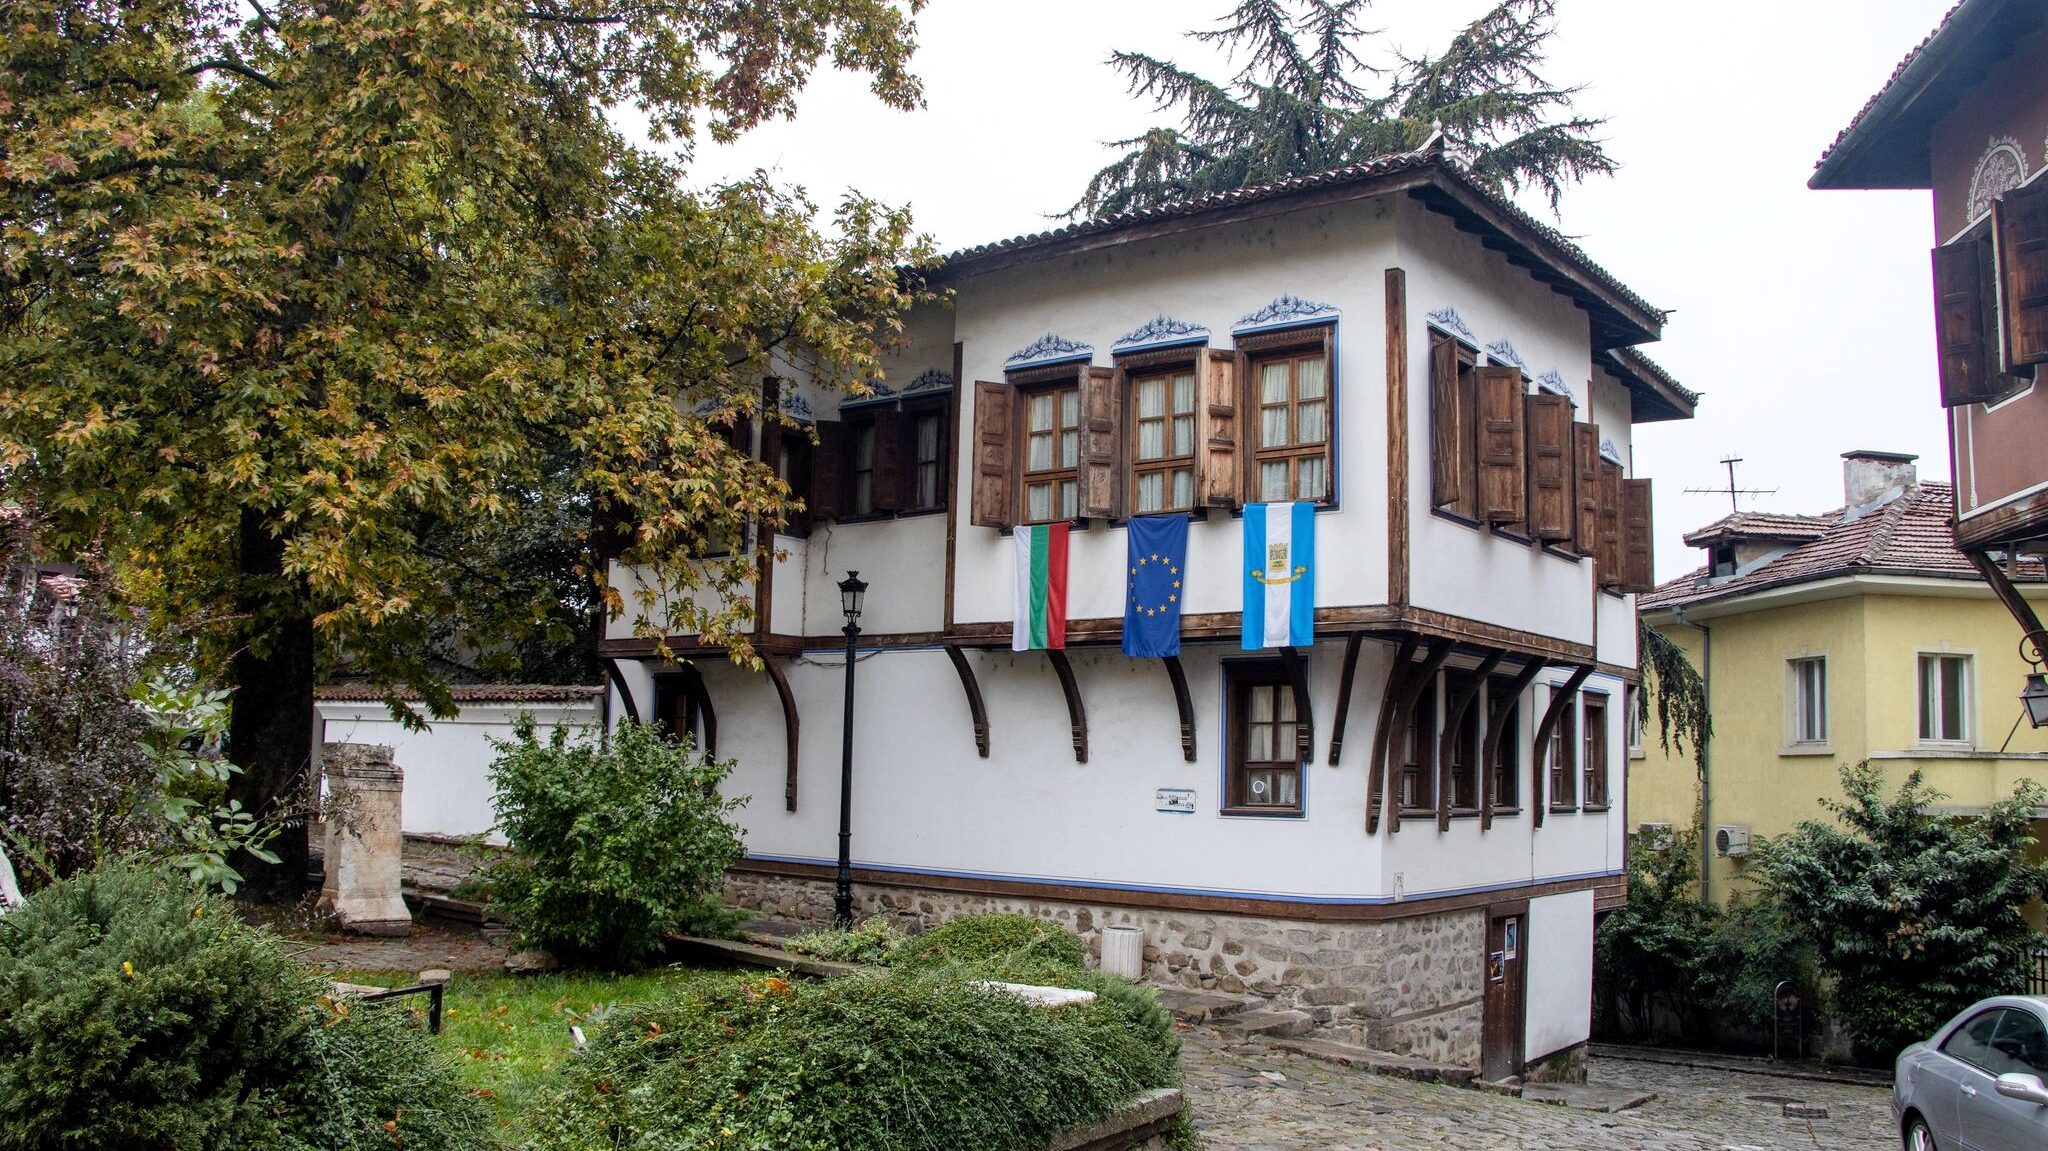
(508, 1033)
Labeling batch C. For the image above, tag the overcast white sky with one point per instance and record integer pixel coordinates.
(1805, 317)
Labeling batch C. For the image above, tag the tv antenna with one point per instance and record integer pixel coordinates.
(1733, 491)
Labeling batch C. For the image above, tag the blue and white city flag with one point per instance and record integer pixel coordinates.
(1279, 575)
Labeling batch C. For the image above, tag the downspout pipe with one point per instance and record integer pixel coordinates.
(1705, 754)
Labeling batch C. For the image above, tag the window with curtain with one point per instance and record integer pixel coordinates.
(1264, 772)
(1291, 456)
(1163, 456)
(1945, 698)
(929, 460)
(1052, 454)
(1810, 700)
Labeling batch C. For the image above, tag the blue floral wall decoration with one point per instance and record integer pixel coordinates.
(1048, 349)
(1161, 332)
(1553, 383)
(1285, 312)
(1450, 321)
(1501, 351)
(930, 380)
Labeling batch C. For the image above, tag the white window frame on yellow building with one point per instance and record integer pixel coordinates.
(1969, 682)
(1796, 741)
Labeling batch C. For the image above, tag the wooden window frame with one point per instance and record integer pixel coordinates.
(1507, 762)
(1564, 777)
(1027, 384)
(862, 422)
(1163, 363)
(1257, 348)
(914, 410)
(1418, 754)
(1239, 677)
(1920, 699)
(1463, 439)
(792, 465)
(1595, 782)
(1467, 745)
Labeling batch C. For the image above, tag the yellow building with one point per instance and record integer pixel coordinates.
(1859, 634)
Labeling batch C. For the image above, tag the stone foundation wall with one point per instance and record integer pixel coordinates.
(1412, 986)
(1567, 1066)
(438, 863)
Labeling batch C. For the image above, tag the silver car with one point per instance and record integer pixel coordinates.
(1978, 1084)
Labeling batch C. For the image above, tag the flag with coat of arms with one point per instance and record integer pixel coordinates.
(1279, 575)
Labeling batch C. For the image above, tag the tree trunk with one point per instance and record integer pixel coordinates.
(270, 731)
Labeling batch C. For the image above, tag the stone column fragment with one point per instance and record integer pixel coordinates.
(364, 837)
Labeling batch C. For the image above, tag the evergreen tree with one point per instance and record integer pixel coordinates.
(1305, 101)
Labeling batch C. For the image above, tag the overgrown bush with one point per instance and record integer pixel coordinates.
(138, 1012)
(992, 936)
(1914, 914)
(907, 1061)
(873, 940)
(614, 843)
(1666, 958)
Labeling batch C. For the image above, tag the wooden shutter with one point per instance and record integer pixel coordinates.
(1502, 497)
(1961, 288)
(1638, 568)
(827, 500)
(1586, 485)
(2019, 229)
(1218, 484)
(995, 497)
(892, 484)
(1548, 436)
(1102, 434)
(1607, 560)
(1446, 434)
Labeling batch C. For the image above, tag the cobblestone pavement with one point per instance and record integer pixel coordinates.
(1321, 1106)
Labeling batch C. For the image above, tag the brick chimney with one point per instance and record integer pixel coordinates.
(1868, 476)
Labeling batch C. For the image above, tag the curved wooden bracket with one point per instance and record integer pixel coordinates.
(1351, 645)
(975, 708)
(618, 678)
(1395, 710)
(1454, 722)
(1496, 729)
(1077, 715)
(1375, 771)
(1181, 700)
(1304, 717)
(1539, 757)
(789, 727)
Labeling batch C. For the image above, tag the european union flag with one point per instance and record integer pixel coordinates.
(1153, 590)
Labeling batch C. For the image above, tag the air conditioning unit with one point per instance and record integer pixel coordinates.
(1731, 840)
(1656, 835)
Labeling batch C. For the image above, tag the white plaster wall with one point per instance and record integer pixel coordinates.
(903, 561)
(1559, 944)
(1457, 568)
(1336, 255)
(447, 766)
(641, 611)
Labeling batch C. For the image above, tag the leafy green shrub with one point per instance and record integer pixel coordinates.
(137, 1012)
(976, 938)
(614, 844)
(1751, 950)
(1914, 914)
(1647, 954)
(907, 1061)
(872, 940)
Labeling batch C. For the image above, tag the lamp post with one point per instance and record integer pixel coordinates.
(851, 589)
(2034, 697)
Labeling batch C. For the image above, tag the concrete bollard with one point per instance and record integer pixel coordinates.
(1123, 951)
(362, 884)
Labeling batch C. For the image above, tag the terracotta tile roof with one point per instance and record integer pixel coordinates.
(465, 693)
(1658, 396)
(1911, 535)
(1763, 526)
(1559, 248)
(1912, 58)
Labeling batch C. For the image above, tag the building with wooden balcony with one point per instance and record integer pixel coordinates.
(1402, 819)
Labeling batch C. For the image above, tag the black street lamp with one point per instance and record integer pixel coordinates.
(851, 589)
(2034, 697)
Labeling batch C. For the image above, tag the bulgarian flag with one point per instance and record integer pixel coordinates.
(1041, 620)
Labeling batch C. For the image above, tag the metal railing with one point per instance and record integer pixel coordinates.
(2037, 971)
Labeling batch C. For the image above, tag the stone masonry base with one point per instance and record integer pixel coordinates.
(1411, 986)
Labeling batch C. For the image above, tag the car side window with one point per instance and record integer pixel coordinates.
(1971, 1042)
(2021, 1045)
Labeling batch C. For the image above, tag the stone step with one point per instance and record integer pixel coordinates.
(1192, 1006)
(1266, 1023)
(1377, 1062)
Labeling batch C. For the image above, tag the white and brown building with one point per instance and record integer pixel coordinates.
(1439, 809)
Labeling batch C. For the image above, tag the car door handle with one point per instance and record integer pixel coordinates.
(1970, 1091)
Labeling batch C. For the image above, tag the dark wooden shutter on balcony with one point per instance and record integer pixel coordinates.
(2019, 226)
(827, 498)
(995, 497)
(1607, 559)
(1102, 434)
(891, 483)
(1586, 485)
(1503, 497)
(1548, 434)
(1218, 484)
(1638, 566)
(1961, 289)
(1447, 438)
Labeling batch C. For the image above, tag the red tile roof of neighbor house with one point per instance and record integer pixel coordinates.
(1910, 535)
(464, 693)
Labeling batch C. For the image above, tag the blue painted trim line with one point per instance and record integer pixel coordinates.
(1267, 896)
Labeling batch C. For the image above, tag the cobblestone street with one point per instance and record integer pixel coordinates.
(1320, 1106)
